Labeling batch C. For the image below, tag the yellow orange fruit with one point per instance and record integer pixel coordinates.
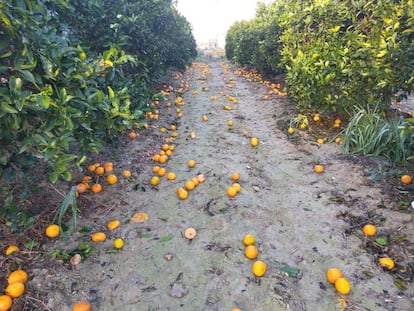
(235, 176)
(191, 163)
(251, 252)
(406, 179)
(96, 188)
(98, 237)
(113, 224)
(11, 249)
(343, 286)
(119, 243)
(155, 180)
(189, 185)
(254, 141)
(195, 181)
(231, 191)
(171, 176)
(91, 168)
(182, 193)
(52, 231)
(111, 179)
(81, 188)
(386, 262)
(320, 141)
(204, 118)
(100, 171)
(237, 187)
(333, 274)
(230, 122)
(15, 289)
(155, 169)
(162, 171)
(5, 302)
(17, 276)
(201, 178)
(249, 239)
(126, 173)
(259, 268)
(236, 309)
(82, 306)
(291, 130)
(132, 135)
(318, 169)
(369, 230)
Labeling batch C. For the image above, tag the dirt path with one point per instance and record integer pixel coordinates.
(287, 207)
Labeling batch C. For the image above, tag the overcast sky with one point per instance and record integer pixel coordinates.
(211, 19)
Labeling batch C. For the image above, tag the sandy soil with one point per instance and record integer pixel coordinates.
(296, 215)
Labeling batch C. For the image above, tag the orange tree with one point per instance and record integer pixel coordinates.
(255, 43)
(66, 88)
(340, 54)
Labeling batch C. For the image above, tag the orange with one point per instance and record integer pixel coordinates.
(168, 153)
(155, 169)
(182, 193)
(162, 171)
(235, 176)
(231, 192)
(291, 130)
(316, 117)
(98, 237)
(132, 135)
(108, 167)
(201, 178)
(165, 147)
(205, 118)
(126, 173)
(259, 268)
(52, 231)
(386, 263)
(406, 179)
(100, 171)
(163, 159)
(249, 239)
(113, 224)
(96, 188)
(190, 233)
(320, 141)
(5, 302)
(251, 252)
(236, 309)
(237, 187)
(230, 123)
(81, 188)
(156, 157)
(15, 289)
(191, 163)
(17, 276)
(369, 230)
(155, 180)
(343, 286)
(11, 249)
(333, 274)
(189, 185)
(171, 176)
(338, 140)
(195, 181)
(318, 169)
(111, 179)
(82, 306)
(119, 243)
(91, 168)
(254, 141)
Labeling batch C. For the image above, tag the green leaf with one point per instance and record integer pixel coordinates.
(291, 271)
(7, 108)
(166, 238)
(381, 241)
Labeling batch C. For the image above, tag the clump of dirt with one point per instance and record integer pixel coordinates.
(303, 222)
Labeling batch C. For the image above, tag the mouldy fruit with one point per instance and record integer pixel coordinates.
(190, 233)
